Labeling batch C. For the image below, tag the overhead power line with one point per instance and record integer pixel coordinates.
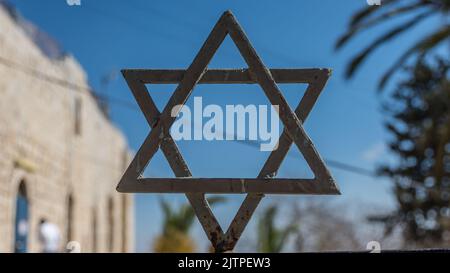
(64, 83)
(126, 104)
(119, 102)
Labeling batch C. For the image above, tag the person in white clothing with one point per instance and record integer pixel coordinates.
(49, 236)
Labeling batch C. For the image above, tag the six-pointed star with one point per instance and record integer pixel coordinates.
(195, 188)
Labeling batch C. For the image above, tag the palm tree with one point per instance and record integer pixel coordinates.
(420, 125)
(270, 238)
(176, 226)
(416, 12)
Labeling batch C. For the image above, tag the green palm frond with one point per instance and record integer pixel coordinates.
(181, 220)
(368, 11)
(216, 200)
(420, 47)
(413, 11)
(356, 28)
(393, 33)
(166, 208)
(272, 239)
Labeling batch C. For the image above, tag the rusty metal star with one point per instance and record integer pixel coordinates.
(195, 188)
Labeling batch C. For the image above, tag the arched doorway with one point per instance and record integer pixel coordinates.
(21, 220)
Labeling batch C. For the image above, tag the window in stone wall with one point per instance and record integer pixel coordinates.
(77, 115)
(21, 222)
(94, 230)
(110, 224)
(124, 159)
(70, 212)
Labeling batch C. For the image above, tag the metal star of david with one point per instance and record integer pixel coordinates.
(195, 188)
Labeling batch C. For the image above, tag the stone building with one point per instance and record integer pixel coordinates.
(60, 156)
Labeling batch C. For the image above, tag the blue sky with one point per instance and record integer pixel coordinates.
(346, 123)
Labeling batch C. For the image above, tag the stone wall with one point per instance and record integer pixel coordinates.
(69, 173)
